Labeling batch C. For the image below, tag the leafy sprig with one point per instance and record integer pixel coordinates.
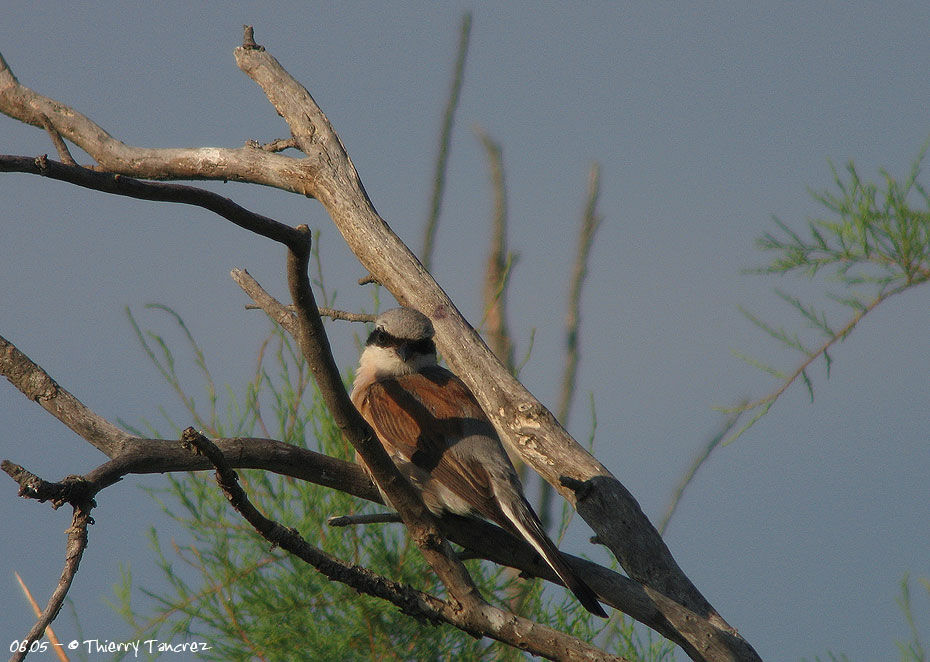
(873, 244)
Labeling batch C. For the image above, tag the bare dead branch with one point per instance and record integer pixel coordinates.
(242, 164)
(520, 418)
(445, 139)
(134, 188)
(74, 551)
(72, 489)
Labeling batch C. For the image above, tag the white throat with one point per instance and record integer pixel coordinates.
(384, 362)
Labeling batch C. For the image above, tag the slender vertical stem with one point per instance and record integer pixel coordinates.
(497, 273)
(445, 138)
(590, 221)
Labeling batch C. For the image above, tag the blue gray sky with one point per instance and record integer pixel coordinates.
(707, 121)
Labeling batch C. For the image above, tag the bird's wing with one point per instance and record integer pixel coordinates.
(421, 418)
(433, 422)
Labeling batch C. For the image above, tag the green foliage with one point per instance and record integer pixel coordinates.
(911, 650)
(873, 244)
(222, 584)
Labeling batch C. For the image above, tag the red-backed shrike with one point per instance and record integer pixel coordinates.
(436, 433)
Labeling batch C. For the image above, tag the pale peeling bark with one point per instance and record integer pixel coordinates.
(327, 174)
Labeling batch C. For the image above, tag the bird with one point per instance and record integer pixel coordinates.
(440, 439)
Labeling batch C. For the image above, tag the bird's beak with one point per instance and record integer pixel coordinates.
(404, 351)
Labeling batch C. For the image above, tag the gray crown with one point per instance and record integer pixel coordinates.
(405, 323)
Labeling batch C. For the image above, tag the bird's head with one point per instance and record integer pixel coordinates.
(400, 343)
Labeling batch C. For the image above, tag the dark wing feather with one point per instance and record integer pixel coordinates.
(420, 417)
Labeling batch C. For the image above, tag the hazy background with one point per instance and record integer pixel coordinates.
(707, 121)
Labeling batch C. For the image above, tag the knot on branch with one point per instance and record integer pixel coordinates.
(533, 416)
(581, 488)
(73, 489)
(197, 443)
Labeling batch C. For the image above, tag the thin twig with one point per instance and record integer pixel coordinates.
(373, 518)
(63, 153)
(445, 138)
(136, 188)
(692, 470)
(280, 145)
(332, 313)
(52, 639)
(74, 551)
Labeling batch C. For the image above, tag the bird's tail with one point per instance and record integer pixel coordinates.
(524, 521)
